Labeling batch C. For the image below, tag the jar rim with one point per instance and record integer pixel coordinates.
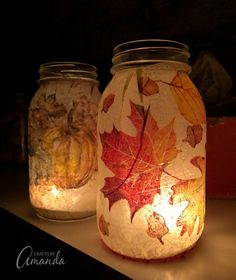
(70, 69)
(148, 51)
(150, 44)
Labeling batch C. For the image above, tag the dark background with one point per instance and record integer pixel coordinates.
(35, 32)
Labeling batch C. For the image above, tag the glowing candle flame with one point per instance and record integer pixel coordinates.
(55, 191)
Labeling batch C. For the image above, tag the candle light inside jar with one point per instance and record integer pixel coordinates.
(62, 141)
(55, 191)
(49, 198)
(151, 153)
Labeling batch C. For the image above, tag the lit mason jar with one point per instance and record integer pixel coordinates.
(151, 152)
(62, 141)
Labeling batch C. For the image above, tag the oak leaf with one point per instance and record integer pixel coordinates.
(137, 161)
(191, 191)
(157, 227)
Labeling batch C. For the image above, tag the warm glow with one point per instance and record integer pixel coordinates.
(171, 213)
(151, 159)
(62, 139)
(55, 191)
(74, 202)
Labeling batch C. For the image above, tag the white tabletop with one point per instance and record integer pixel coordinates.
(214, 257)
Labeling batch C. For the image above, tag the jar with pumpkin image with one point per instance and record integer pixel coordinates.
(62, 141)
(151, 153)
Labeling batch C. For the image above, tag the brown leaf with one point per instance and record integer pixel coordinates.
(103, 225)
(199, 162)
(57, 110)
(148, 86)
(39, 118)
(107, 102)
(157, 227)
(194, 135)
(51, 107)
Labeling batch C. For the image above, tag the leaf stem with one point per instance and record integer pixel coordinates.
(169, 84)
(137, 155)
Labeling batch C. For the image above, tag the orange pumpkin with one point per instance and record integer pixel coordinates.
(73, 156)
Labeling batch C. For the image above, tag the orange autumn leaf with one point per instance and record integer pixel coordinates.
(137, 161)
(190, 190)
(184, 192)
(188, 99)
(164, 144)
(156, 226)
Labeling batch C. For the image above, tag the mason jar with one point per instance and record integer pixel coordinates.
(151, 152)
(62, 141)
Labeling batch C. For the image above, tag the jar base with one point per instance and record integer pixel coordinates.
(63, 216)
(156, 260)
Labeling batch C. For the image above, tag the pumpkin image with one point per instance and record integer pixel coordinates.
(73, 156)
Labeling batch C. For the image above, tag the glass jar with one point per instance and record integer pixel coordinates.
(151, 153)
(62, 141)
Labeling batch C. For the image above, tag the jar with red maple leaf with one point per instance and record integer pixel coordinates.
(151, 152)
(62, 141)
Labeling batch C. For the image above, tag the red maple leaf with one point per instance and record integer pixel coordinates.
(137, 161)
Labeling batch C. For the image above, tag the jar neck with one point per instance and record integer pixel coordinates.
(67, 70)
(149, 52)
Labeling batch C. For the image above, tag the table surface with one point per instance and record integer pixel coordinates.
(212, 258)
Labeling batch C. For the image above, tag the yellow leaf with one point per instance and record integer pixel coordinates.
(193, 191)
(165, 144)
(188, 99)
